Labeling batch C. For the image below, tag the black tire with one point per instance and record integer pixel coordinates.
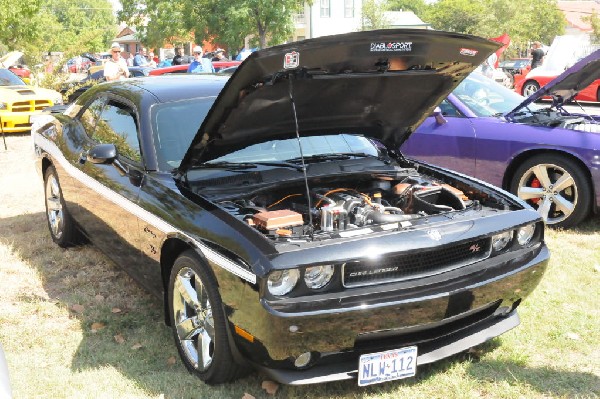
(191, 320)
(62, 228)
(535, 182)
(598, 94)
(530, 87)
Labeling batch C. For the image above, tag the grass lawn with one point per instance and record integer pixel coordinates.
(73, 325)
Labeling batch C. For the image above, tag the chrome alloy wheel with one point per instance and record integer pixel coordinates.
(54, 207)
(193, 319)
(551, 189)
(529, 88)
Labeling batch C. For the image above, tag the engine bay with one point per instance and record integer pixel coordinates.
(343, 205)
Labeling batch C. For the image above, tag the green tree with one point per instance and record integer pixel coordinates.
(222, 21)
(419, 7)
(595, 22)
(373, 15)
(463, 16)
(17, 22)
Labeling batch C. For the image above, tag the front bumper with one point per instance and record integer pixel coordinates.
(16, 122)
(450, 345)
(442, 315)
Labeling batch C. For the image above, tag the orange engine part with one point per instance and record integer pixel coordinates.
(270, 220)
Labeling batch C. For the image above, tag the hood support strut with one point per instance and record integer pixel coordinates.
(291, 93)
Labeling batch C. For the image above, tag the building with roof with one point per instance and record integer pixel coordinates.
(576, 13)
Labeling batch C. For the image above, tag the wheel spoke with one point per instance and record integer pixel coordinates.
(564, 205)
(526, 193)
(188, 329)
(544, 209)
(541, 172)
(564, 182)
(204, 349)
(187, 292)
(54, 204)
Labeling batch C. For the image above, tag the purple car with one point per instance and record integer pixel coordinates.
(545, 155)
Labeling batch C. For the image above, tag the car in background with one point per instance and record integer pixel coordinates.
(176, 69)
(537, 79)
(515, 65)
(543, 154)
(276, 220)
(18, 102)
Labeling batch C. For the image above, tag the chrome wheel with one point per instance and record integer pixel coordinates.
(193, 318)
(529, 88)
(54, 208)
(551, 189)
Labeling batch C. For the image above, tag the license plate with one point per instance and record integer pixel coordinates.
(396, 364)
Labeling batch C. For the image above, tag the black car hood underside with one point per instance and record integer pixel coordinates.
(382, 84)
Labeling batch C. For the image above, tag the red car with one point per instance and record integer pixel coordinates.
(218, 65)
(540, 77)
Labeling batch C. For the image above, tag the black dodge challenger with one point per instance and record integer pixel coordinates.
(276, 219)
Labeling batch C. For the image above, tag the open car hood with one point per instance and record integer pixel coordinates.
(381, 84)
(566, 85)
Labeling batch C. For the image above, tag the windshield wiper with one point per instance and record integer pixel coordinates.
(245, 165)
(338, 156)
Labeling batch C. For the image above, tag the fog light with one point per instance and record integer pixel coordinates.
(317, 277)
(282, 281)
(303, 359)
(500, 241)
(525, 234)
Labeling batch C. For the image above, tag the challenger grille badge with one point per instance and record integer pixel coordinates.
(434, 235)
(475, 248)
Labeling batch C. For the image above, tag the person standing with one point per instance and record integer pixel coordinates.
(140, 58)
(116, 67)
(220, 55)
(200, 64)
(537, 55)
(178, 59)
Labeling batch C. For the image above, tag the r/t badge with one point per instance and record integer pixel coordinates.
(291, 60)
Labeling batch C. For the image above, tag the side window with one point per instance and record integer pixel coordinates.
(118, 126)
(449, 109)
(89, 117)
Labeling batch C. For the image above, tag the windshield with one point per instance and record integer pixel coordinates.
(174, 126)
(288, 149)
(7, 78)
(485, 97)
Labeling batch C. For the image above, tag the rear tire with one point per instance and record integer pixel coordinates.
(198, 321)
(530, 87)
(60, 223)
(556, 187)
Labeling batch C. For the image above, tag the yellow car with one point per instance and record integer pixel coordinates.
(18, 102)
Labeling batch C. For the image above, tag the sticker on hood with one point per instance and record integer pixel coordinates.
(469, 52)
(291, 60)
(391, 46)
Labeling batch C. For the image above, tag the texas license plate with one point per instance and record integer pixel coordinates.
(374, 368)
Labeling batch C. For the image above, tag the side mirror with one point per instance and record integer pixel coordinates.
(439, 118)
(102, 154)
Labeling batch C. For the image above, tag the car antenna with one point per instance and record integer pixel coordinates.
(291, 92)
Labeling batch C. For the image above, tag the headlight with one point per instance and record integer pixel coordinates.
(500, 241)
(317, 277)
(525, 234)
(3, 105)
(282, 281)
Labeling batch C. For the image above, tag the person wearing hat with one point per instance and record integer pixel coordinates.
(200, 64)
(220, 55)
(116, 67)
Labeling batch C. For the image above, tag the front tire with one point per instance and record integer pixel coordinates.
(556, 186)
(198, 321)
(530, 87)
(62, 227)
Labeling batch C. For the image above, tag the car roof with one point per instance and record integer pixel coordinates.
(172, 87)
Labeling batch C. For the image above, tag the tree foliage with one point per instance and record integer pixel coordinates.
(225, 22)
(70, 26)
(416, 6)
(594, 20)
(373, 15)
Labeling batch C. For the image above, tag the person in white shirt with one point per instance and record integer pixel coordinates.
(116, 67)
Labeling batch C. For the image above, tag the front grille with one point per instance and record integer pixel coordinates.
(414, 264)
(30, 106)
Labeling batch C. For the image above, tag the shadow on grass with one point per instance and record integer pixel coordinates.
(85, 277)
